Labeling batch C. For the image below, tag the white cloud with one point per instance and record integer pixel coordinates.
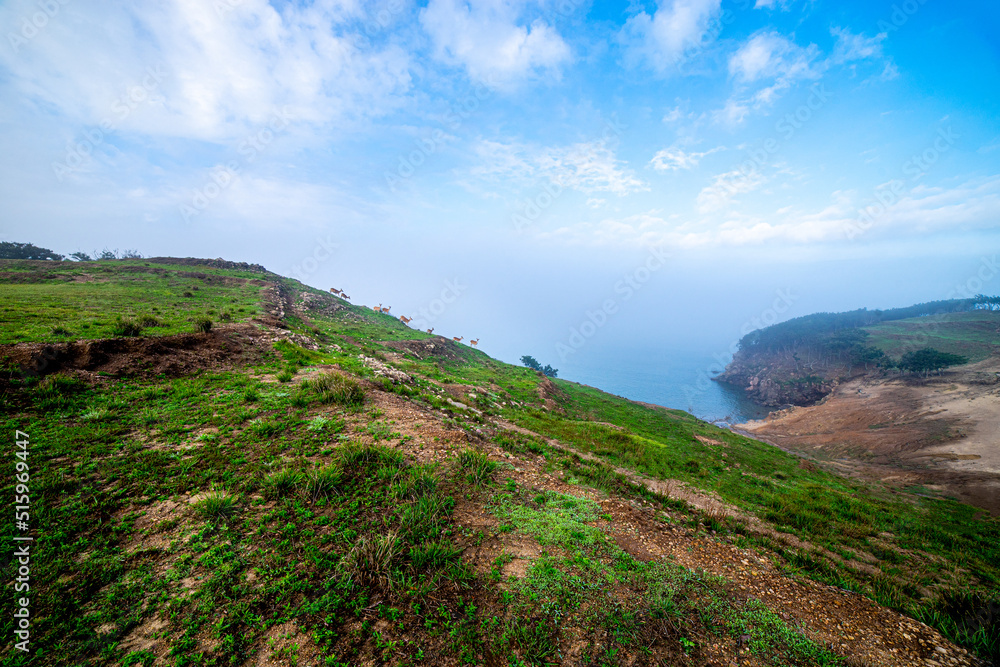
(588, 167)
(890, 72)
(224, 71)
(990, 147)
(673, 115)
(971, 207)
(762, 68)
(771, 4)
(673, 158)
(676, 31)
(725, 187)
(768, 63)
(772, 56)
(851, 47)
(486, 38)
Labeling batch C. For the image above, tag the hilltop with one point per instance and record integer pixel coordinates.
(229, 467)
(801, 361)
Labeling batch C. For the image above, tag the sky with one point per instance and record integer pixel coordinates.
(562, 178)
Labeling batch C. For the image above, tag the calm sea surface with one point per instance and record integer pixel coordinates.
(670, 378)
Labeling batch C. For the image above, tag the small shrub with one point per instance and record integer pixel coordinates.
(250, 395)
(225, 316)
(126, 327)
(203, 324)
(187, 294)
(340, 389)
(216, 506)
(285, 376)
(60, 330)
(477, 465)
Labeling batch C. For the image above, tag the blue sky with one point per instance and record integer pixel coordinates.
(535, 152)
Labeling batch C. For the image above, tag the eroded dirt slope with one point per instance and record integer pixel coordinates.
(942, 433)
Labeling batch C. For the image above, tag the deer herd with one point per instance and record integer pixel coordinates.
(402, 318)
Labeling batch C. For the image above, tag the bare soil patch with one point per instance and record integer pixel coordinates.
(437, 347)
(225, 347)
(942, 433)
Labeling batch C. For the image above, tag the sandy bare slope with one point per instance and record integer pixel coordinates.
(942, 433)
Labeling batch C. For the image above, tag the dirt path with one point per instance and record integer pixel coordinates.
(852, 625)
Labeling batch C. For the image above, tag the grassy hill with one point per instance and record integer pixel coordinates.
(800, 361)
(975, 334)
(306, 481)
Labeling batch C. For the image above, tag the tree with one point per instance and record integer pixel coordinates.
(984, 302)
(533, 364)
(870, 355)
(10, 250)
(81, 257)
(928, 359)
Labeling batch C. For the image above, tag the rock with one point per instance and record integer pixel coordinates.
(383, 370)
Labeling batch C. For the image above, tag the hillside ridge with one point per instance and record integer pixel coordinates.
(311, 482)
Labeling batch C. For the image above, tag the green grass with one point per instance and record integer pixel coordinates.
(339, 389)
(973, 334)
(216, 506)
(672, 608)
(87, 297)
(477, 466)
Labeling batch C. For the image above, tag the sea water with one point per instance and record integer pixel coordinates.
(672, 378)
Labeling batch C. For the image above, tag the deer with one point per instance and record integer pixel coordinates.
(404, 319)
(475, 342)
(431, 330)
(378, 308)
(344, 296)
(457, 339)
(387, 309)
(334, 290)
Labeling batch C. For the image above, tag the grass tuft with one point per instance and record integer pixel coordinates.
(126, 327)
(339, 389)
(356, 455)
(434, 554)
(372, 557)
(322, 483)
(281, 483)
(216, 506)
(478, 467)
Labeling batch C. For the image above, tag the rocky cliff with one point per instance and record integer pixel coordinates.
(777, 380)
